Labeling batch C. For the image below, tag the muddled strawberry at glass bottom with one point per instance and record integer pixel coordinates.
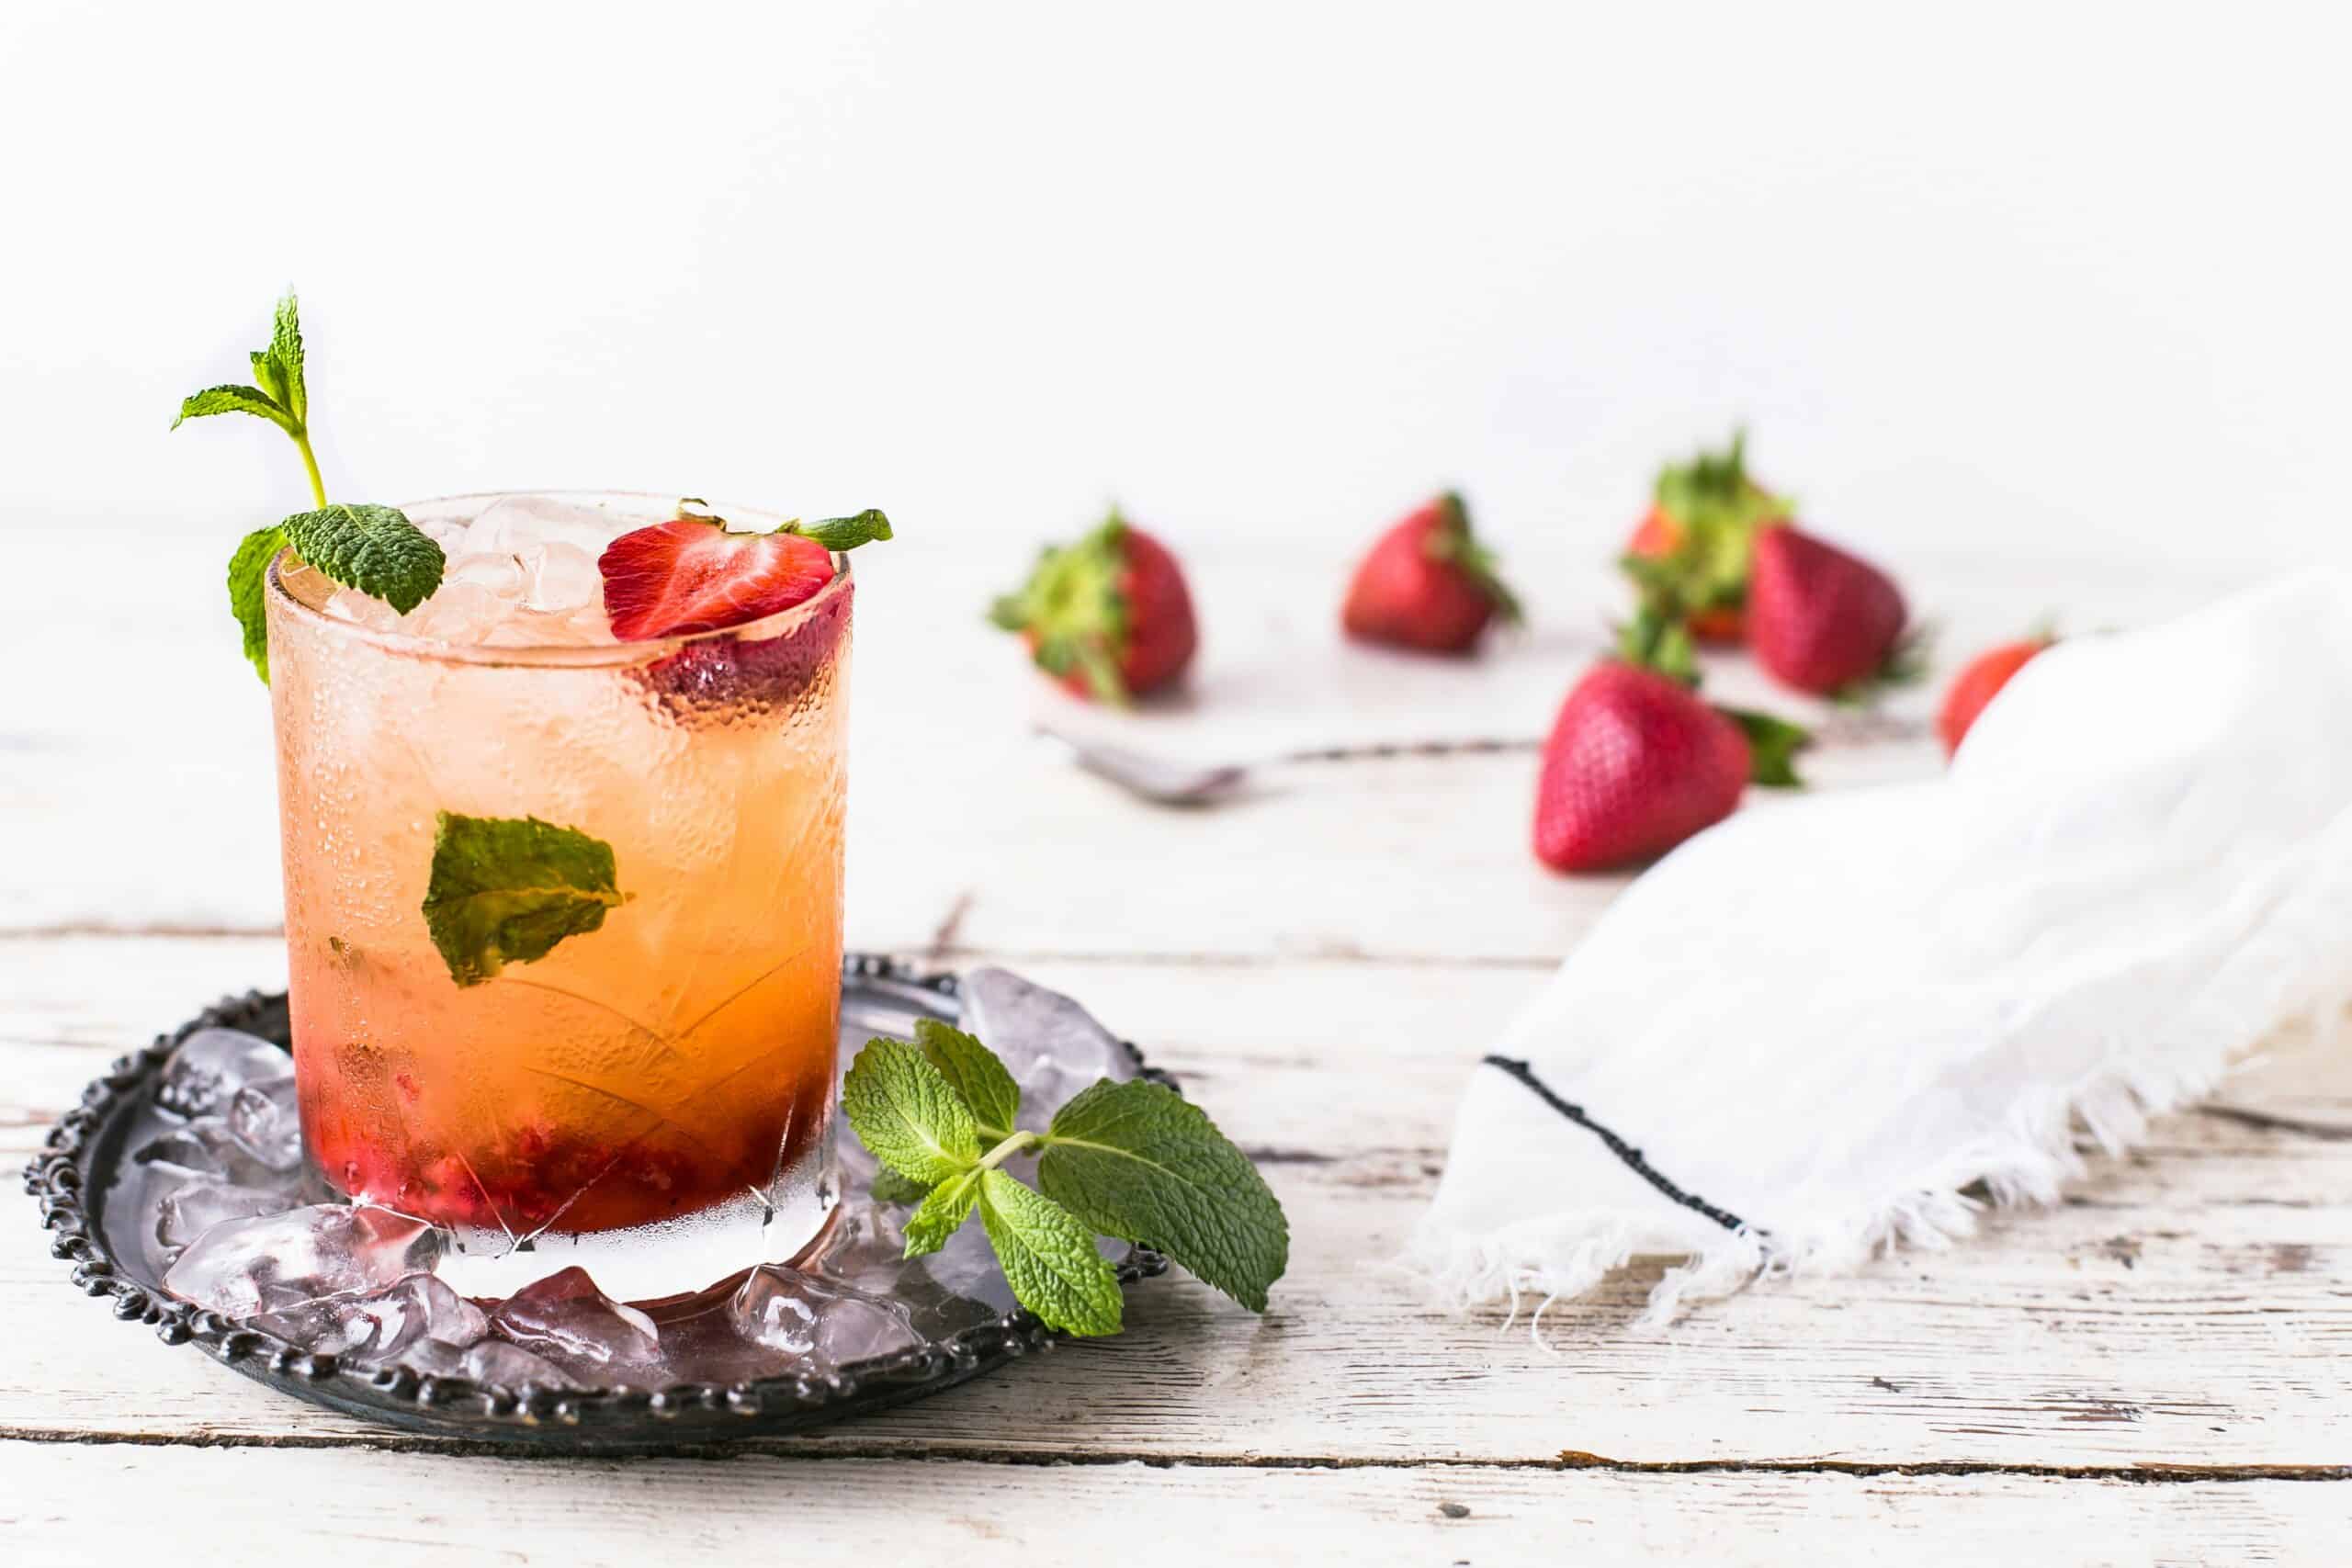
(564, 913)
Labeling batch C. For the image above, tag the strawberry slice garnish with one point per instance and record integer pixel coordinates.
(694, 574)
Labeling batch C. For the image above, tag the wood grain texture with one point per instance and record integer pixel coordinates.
(371, 1507)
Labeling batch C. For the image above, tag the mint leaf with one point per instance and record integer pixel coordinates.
(889, 1187)
(236, 399)
(843, 533)
(373, 549)
(1136, 1160)
(947, 1207)
(902, 1109)
(1048, 1258)
(976, 1075)
(248, 585)
(506, 889)
(285, 354)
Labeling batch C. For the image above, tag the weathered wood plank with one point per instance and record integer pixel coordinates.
(55, 1499)
(2185, 1306)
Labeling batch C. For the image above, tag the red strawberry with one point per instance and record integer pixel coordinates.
(1108, 616)
(1637, 763)
(1428, 584)
(691, 574)
(1978, 682)
(1691, 547)
(1821, 620)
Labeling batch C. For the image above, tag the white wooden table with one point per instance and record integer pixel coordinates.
(2153, 1371)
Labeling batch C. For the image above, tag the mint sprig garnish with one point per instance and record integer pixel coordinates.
(1048, 1257)
(1139, 1161)
(372, 548)
(907, 1112)
(1131, 1159)
(506, 889)
(972, 1071)
(248, 581)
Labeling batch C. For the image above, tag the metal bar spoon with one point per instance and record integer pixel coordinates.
(1167, 781)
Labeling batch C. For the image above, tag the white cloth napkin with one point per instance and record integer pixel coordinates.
(1821, 1024)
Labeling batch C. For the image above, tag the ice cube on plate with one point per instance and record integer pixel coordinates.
(211, 1065)
(204, 1147)
(375, 1328)
(495, 1361)
(820, 1321)
(265, 1122)
(567, 1319)
(1052, 1046)
(276, 1261)
(186, 1210)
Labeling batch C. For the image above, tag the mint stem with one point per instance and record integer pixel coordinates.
(1007, 1149)
(310, 466)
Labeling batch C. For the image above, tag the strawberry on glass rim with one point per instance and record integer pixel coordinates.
(694, 574)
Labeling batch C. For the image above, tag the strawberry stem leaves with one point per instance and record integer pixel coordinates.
(1710, 510)
(1772, 747)
(1074, 611)
(1452, 541)
(840, 535)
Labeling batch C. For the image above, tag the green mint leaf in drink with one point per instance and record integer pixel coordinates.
(1048, 1257)
(938, 1216)
(248, 582)
(507, 889)
(904, 1110)
(840, 533)
(889, 1187)
(1139, 1161)
(373, 549)
(976, 1075)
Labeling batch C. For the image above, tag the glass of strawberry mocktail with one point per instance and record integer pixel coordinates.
(563, 881)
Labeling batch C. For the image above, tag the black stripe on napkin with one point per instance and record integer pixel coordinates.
(1615, 1144)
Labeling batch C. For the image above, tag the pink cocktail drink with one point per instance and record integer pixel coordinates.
(636, 1040)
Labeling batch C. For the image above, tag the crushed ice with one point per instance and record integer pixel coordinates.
(522, 573)
(228, 1218)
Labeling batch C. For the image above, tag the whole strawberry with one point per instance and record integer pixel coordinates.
(1822, 620)
(1637, 761)
(1109, 616)
(1691, 547)
(1978, 682)
(1428, 584)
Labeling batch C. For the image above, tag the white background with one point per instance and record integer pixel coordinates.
(2047, 279)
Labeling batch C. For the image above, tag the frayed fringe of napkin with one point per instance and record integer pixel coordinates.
(1545, 1262)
